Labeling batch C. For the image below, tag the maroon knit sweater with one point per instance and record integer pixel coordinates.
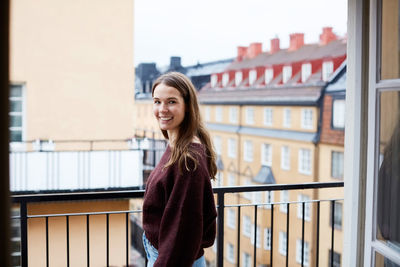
(179, 211)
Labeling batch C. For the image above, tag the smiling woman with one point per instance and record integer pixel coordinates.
(178, 210)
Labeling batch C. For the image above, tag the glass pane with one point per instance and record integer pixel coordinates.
(16, 106)
(381, 261)
(16, 91)
(388, 180)
(390, 55)
(15, 136)
(15, 121)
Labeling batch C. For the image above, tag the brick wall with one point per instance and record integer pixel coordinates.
(329, 135)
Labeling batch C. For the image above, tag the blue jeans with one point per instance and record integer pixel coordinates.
(152, 254)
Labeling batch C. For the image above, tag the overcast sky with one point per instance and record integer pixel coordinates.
(207, 30)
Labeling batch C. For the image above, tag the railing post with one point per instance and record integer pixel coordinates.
(24, 234)
(220, 223)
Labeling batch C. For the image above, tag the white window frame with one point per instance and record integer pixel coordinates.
(258, 236)
(257, 197)
(246, 260)
(306, 252)
(207, 113)
(266, 154)
(248, 150)
(337, 164)
(252, 76)
(232, 147)
(307, 207)
(214, 80)
(267, 238)
(225, 79)
(268, 116)
(248, 195)
(238, 78)
(18, 145)
(307, 118)
(218, 144)
(269, 198)
(230, 252)
(287, 117)
(306, 70)
(282, 243)
(269, 75)
(233, 114)
(246, 226)
(286, 73)
(285, 158)
(249, 115)
(305, 161)
(338, 113)
(231, 179)
(231, 218)
(218, 114)
(284, 198)
(327, 70)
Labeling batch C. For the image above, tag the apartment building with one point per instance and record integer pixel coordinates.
(71, 83)
(264, 114)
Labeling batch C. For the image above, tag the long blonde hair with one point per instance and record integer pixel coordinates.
(191, 126)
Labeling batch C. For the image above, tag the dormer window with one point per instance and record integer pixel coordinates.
(214, 80)
(252, 77)
(225, 79)
(327, 70)
(269, 75)
(238, 78)
(305, 72)
(286, 73)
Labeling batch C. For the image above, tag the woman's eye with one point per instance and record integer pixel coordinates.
(172, 102)
(156, 102)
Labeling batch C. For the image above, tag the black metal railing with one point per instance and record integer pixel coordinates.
(221, 192)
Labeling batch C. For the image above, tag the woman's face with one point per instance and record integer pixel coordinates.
(168, 108)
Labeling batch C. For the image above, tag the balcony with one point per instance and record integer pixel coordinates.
(113, 238)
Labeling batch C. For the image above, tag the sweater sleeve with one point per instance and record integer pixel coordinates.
(181, 229)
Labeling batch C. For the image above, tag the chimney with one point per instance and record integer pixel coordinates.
(327, 36)
(175, 63)
(296, 41)
(254, 50)
(241, 53)
(275, 45)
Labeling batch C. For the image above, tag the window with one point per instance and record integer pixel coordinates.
(16, 124)
(238, 78)
(250, 115)
(232, 148)
(284, 199)
(230, 252)
(218, 144)
(231, 220)
(285, 158)
(219, 181)
(267, 238)
(306, 252)
(231, 179)
(246, 260)
(269, 198)
(214, 80)
(337, 164)
(248, 151)
(286, 73)
(207, 113)
(287, 117)
(336, 259)
(282, 243)
(305, 72)
(258, 236)
(257, 197)
(338, 215)
(225, 79)
(266, 155)
(246, 226)
(218, 114)
(305, 161)
(268, 116)
(248, 195)
(252, 76)
(327, 70)
(269, 75)
(307, 205)
(307, 118)
(338, 113)
(233, 114)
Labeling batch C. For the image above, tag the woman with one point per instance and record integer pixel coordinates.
(178, 209)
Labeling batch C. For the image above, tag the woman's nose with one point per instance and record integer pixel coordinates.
(163, 107)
